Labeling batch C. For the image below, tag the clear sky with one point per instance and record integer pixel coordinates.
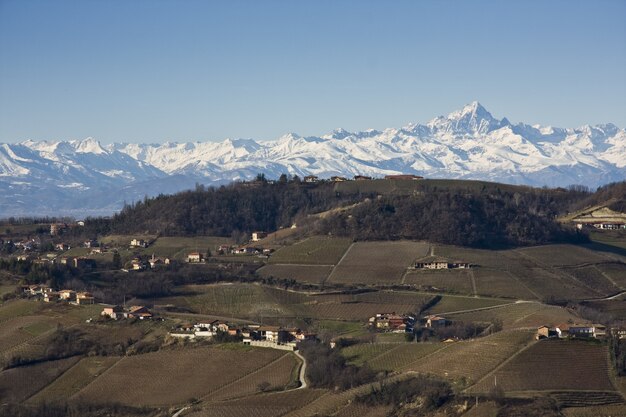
(151, 71)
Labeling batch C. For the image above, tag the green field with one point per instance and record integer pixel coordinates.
(316, 250)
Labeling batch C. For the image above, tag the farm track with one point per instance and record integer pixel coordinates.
(328, 278)
(302, 371)
(473, 279)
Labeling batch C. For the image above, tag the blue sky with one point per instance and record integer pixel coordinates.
(150, 70)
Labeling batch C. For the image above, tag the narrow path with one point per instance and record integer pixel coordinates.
(338, 263)
(471, 273)
(608, 277)
(612, 297)
(404, 274)
(179, 412)
(302, 373)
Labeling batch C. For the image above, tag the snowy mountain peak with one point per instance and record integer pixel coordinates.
(339, 133)
(59, 176)
(89, 145)
(471, 119)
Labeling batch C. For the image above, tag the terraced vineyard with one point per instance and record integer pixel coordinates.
(263, 405)
(532, 273)
(473, 359)
(571, 365)
(363, 353)
(519, 315)
(316, 250)
(404, 356)
(615, 271)
(361, 410)
(614, 410)
(450, 303)
(449, 281)
(19, 384)
(377, 262)
(314, 274)
(498, 283)
(282, 373)
(75, 378)
(561, 255)
(161, 372)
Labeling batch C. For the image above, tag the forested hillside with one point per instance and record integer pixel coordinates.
(465, 213)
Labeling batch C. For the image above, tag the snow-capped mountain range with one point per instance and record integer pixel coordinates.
(86, 177)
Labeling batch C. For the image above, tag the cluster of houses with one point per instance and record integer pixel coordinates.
(132, 312)
(141, 264)
(615, 225)
(403, 323)
(575, 330)
(391, 322)
(315, 178)
(254, 335)
(49, 295)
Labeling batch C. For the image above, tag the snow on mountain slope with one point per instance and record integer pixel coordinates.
(468, 143)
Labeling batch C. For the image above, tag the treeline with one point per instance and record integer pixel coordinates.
(615, 192)
(67, 342)
(34, 273)
(328, 368)
(454, 212)
(473, 218)
(433, 393)
(77, 409)
(224, 211)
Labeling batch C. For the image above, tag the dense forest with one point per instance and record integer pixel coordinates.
(478, 219)
(468, 213)
(224, 211)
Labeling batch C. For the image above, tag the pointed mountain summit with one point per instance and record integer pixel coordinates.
(471, 119)
(50, 178)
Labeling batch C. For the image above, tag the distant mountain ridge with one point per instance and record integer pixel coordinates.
(85, 177)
